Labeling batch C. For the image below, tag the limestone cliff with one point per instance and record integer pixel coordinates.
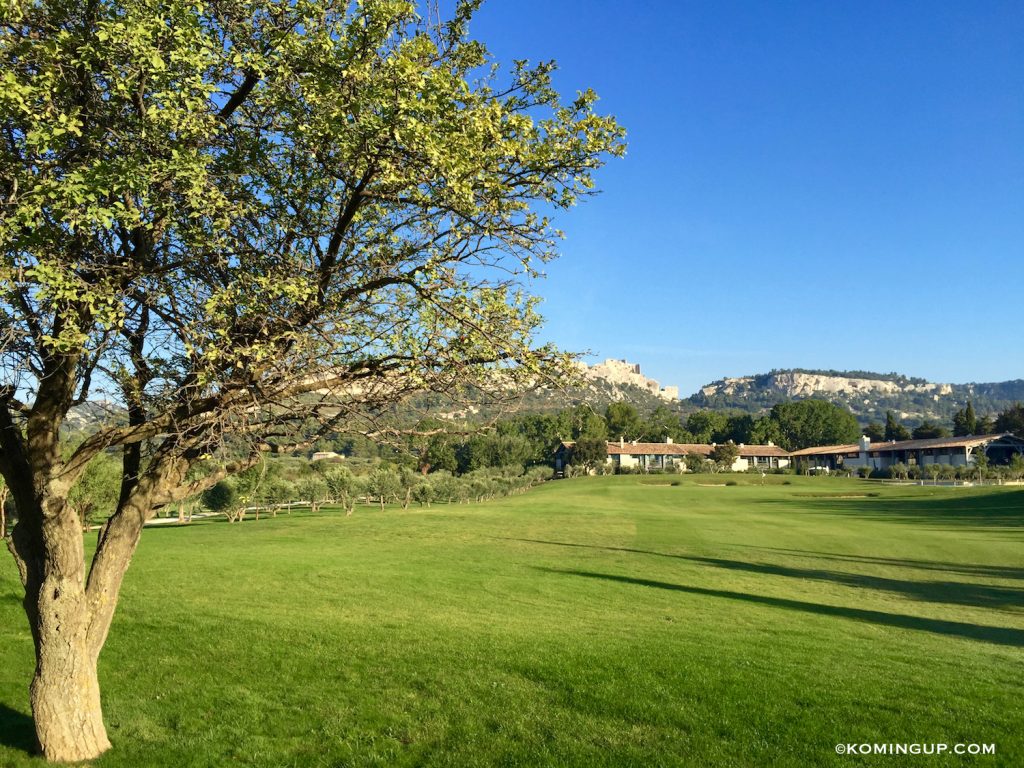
(869, 395)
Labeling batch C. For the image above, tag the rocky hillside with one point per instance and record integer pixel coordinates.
(623, 374)
(869, 395)
(603, 383)
(600, 384)
(88, 417)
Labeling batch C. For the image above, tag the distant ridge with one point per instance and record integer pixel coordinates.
(869, 395)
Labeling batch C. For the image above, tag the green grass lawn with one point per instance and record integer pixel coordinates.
(600, 621)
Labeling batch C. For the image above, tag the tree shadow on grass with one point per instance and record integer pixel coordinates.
(967, 569)
(964, 507)
(997, 635)
(17, 730)
(951, 592)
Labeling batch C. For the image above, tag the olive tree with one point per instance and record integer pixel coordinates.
(981, 466)
(1015, 469)
(96, 488)
(384, 484)
(723, 456)
(314, 490)
(342, 486)
(237, 218)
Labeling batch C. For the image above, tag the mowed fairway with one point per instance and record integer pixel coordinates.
(601, 621)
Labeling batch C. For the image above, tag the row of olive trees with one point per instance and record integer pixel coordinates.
(339, 487)
(981, 469)
(281, 485)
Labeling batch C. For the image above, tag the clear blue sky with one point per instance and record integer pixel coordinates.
(808, 184)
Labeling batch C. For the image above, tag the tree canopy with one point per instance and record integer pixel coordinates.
(806, 423)
(724, 455)
(965, 421)
(894, 430)
(589, 452)
(235, 220)
(1011, 420)
(927, 429)
(623, 421)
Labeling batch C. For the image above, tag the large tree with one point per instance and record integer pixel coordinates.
(894, 429)
(965, 421)
(624, 422)
(235, 218)
(589, 452)
(708, 426)
(724, 455)
(926, 430)
(1011, 420)
(806, 423)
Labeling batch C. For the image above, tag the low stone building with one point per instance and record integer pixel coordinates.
(671, 456)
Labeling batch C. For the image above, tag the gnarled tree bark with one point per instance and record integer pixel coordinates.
(65, 692)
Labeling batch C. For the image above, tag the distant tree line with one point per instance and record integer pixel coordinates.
(965, 422)
(452, 462)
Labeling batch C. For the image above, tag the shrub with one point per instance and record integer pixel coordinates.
(221, 497)
(695, 462)
(538, 475)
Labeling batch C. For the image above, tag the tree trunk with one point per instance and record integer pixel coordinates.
(65, 691)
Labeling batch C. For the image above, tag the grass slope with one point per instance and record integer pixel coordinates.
(601, 621)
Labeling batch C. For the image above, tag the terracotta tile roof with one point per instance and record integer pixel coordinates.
(657, 449)
(826, 449)
(763, 450)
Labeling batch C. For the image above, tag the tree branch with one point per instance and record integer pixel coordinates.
(240, 95)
